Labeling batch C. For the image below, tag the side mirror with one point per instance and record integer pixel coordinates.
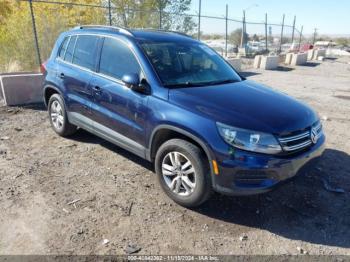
(131, 80)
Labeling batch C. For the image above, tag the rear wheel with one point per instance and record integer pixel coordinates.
(183, 172)
(58, 117)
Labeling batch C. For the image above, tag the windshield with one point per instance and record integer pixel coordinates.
(188, 64)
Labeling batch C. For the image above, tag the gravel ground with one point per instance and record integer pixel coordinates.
(86, 196)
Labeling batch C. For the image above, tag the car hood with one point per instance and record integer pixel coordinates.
(246, 104)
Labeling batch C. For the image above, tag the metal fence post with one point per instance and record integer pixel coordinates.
(199, 19)
(301, 33)
(293, 29)
(160, 18)
(280, 48)
(245, 40)
(109, 12)
(243, 30)
(226, 35)
(35, 32)
(266, 32)
(160, 4)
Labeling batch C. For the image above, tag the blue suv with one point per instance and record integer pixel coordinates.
(174, 101)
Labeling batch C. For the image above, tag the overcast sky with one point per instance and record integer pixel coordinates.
(329, 17)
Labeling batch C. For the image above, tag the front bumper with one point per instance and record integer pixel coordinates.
(246, 173)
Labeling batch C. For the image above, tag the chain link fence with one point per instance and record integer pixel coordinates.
(32, 29)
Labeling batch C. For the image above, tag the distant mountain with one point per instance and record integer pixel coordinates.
(329, 35)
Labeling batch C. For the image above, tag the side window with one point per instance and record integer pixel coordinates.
(69, 53)
(117, 59)
(85, 51)
(63, 47)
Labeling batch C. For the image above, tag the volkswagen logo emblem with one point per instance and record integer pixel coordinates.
(314, 136)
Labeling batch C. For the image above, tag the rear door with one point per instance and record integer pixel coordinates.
(77, 62)
(119, 113)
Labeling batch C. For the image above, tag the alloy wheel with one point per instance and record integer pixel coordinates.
(56, 114)
(179, 173)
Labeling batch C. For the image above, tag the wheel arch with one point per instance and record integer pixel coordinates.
(49, 90)
(165, 132)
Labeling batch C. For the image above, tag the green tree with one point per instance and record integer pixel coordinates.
(5, 10)
(343, 41)
(16, 32)
(236, 37)
(148, 13)
(255, 38)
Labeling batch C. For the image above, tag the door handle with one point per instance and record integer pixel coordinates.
(62, 75)
(96, 89)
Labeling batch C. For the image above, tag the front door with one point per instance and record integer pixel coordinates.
(119, 113)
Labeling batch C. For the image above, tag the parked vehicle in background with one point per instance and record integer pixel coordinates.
(306, 47)
(255, 47)
(174, 101)
(325, 44)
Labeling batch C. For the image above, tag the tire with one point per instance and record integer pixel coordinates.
(60, 123)
(190, 189)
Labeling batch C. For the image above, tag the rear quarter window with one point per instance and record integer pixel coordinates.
(63, 48)
(69, 53)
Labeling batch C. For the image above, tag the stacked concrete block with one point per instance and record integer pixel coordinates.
(269, 62)
(314, 54)
(21, 88)
(242, 51)
(257, 61)
(318, 53)
(236, 63)
(288, 59)
(310, 54)
(299, 59)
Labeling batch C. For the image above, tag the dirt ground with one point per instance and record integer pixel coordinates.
(86, 196)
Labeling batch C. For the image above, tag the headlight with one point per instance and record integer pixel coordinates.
(249, 140)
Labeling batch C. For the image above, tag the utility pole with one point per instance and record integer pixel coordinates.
(293, 29)
(266, 32)
(280, 49)
(315, 34)
(301, 34)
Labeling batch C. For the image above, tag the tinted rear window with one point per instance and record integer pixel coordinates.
(63, 48)
(70, 48)
(85, 51)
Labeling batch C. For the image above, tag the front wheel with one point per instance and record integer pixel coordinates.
(183, 172)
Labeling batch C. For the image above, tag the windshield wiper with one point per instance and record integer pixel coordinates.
(210, 83)
(186, 84)
(221, 82)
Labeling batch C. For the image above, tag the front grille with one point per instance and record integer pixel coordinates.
(301, 139)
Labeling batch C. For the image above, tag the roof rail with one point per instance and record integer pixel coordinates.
(119, 29)
(164, 30)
